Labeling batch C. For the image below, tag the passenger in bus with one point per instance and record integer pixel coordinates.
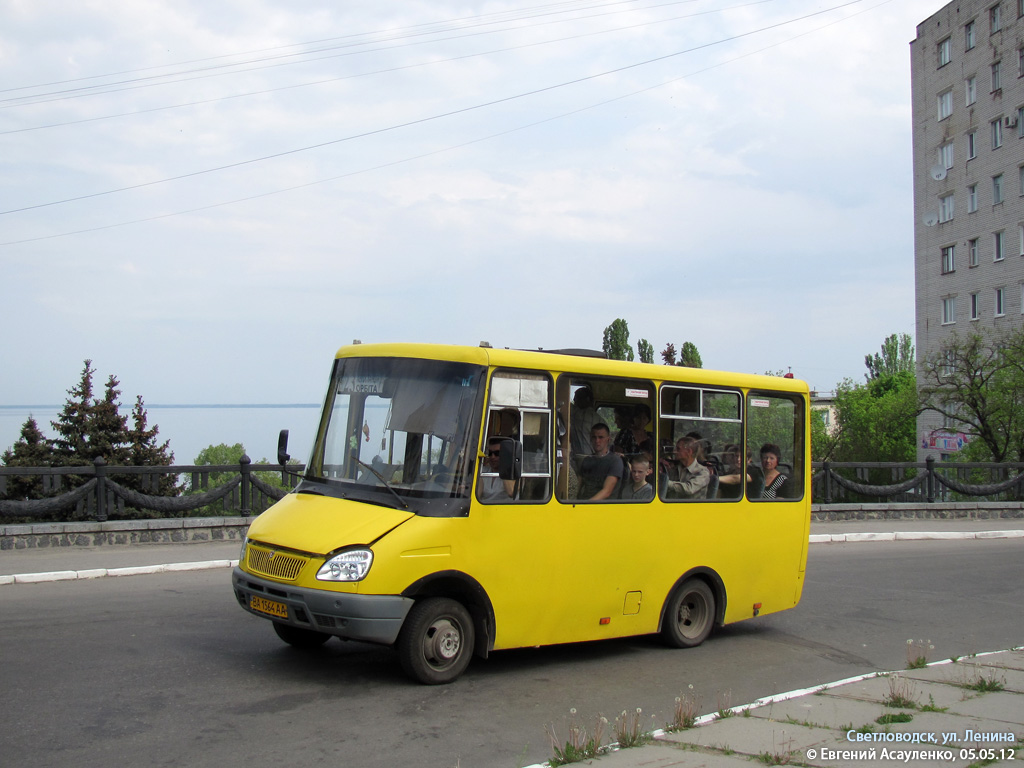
(774, 481)
(491, 487)
(601, 471)
(582, 419)
(686, 478)
(730, 482)
(638, 489)
(628, 440)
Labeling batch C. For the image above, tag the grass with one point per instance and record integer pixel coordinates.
(894, 717)
(917, 653)
(931, 707)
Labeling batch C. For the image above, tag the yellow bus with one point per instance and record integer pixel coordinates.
(463, 500)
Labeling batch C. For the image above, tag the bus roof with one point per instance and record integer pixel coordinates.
(572, 363)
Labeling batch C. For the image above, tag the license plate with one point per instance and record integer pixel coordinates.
(268, 606)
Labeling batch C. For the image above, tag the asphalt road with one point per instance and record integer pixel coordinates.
(167, 670)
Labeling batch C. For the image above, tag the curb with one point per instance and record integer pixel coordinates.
(839, 538)
(98, 573)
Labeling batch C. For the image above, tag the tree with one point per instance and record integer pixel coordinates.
(897, 357)
(106, 428)
(645, 351)
(143, 450)
(689, 356)
(31, 450)
(668, 354)
(616, 341)
(72, 425)
(877, 421)
(977, 384)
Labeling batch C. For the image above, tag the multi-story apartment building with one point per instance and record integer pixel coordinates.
(967, 80)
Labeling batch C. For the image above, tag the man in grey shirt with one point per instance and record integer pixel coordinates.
(686, 479)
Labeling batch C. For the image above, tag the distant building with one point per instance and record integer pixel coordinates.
(825, 402)
(967, 80)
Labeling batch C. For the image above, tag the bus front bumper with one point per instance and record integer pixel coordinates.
(369, 618)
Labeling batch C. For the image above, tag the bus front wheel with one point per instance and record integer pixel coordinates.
(690, 615)
(436, 642)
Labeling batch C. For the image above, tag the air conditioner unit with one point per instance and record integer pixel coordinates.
(1010, 121)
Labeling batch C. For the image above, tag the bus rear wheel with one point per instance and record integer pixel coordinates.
(690, 615)
(299, 637)
(436, 642)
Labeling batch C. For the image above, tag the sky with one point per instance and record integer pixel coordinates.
(208, 199)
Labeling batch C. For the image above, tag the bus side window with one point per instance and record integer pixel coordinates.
(775, 446)
(519, 409)
(701, 430)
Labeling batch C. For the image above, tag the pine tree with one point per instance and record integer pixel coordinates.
(107, 429)
(143, 450)
(71, 445)
(31, 450)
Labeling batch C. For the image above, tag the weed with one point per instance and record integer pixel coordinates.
(894, 717)
(579, 745)
(989, 684)
(917, 653)
(901, 693)
(931, 707)
(628, 732)
(724, 708)
(777, 756)
(686, 711)
(865, 729)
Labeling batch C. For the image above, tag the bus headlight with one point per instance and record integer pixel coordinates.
(348, 566)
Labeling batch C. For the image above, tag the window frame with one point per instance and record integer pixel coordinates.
(972, 198)
(948, 310)
(945, 104)
(998, 195)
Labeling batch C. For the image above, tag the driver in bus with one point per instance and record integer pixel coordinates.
(491, 487)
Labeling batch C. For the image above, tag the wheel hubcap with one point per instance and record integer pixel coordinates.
(442, 642)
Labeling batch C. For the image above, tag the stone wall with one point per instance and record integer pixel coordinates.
(123, 532)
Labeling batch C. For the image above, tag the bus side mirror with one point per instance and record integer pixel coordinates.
(510, 460)
(282, 448)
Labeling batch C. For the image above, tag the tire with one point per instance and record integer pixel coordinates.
(689, 615)
(299, 637)
(436, 641)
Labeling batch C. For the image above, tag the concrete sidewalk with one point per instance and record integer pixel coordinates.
(945, 719)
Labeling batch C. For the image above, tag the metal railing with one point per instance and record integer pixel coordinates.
(99, 491)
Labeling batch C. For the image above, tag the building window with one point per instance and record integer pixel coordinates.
(1020, 59)
(972, 145)
(975, 307)
(1020, 122)
(945, 101)
(1020, 231)
(995, 19)
(946, 155)
(972, 252)
(1000, 306)
(1021, 172)
(997, 246)
(1020, 8)
(944, 47)
(997, 133)
(949, 310)
(970, 89)
(997, 79)
(968, 35)
(948, 262)
(972, 198)
(997, 189)
(946, 208)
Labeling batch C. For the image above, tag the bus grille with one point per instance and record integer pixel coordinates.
(277, 565)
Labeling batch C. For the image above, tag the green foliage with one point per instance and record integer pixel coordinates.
(897, 357)
(689, 356)
(977, 384)
(876, 421)
(616, 341)
(668, 354)
(645, 351)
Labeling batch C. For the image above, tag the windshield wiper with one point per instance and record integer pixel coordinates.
(381, 478)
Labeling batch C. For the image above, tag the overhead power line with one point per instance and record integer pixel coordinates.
(423, 120)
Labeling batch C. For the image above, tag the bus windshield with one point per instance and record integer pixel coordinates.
(399, 428)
